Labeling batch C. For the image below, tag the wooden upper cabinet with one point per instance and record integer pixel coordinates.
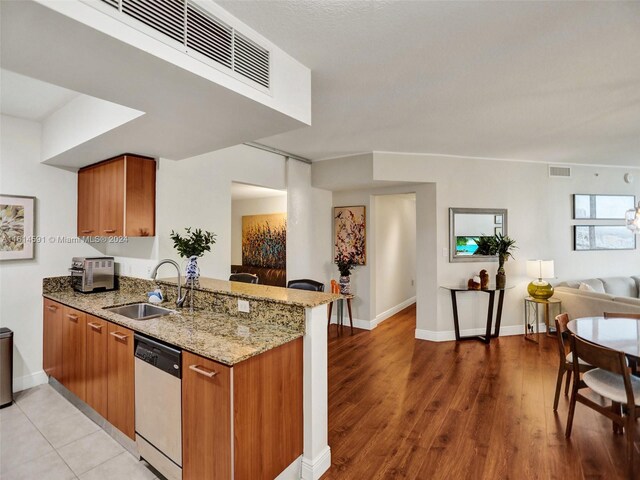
(117, 197)
(52, 339)
(121, 380)
(97, 367)
(74, 351)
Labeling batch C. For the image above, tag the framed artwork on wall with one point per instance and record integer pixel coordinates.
(350, 232)
(603, 237)
(17, 219)
(264, 240)
(601, 207)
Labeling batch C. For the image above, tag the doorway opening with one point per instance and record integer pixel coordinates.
(259, 233)
(395, 254)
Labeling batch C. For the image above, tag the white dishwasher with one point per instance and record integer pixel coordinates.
(159, 405)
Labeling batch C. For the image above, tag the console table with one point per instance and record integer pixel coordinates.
(491, 291)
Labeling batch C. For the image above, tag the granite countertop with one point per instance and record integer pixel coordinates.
(217, 336)
(290, 296)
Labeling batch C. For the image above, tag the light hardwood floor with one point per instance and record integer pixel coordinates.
(406, 408)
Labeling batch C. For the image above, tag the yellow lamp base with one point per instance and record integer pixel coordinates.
(540, 290)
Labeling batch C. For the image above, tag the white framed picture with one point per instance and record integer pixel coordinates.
(17, 218)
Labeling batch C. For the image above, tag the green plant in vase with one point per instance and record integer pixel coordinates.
(194, 244)
(501, 246)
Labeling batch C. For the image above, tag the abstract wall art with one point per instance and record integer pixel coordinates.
(350, 232)
(16, 227)
(264, 240)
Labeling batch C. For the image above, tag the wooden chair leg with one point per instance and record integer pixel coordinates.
(566, 386)
(329, 309)
(561, 372)
(630, 427)
(572, 409)
(616, 408)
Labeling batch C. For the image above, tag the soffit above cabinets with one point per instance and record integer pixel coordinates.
(186, 107)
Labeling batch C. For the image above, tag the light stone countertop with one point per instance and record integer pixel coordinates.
(302, 298)
(217, 336)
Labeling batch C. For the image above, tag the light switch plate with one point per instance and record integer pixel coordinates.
(243, 306)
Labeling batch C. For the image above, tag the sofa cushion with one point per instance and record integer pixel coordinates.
(594, 283)
(628, 301)
(620, 286)
(585, 287)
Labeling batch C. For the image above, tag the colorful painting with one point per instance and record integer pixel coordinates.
(264, 240)
(350, 232)
(16, 227)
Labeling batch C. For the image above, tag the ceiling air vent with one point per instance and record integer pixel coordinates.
(251, 60)
(563, 172)
(209, 37)
(166, 16)
(202, 34)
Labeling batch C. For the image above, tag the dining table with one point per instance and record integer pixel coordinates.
(622, 334)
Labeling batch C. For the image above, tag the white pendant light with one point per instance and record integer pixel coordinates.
(632, 218)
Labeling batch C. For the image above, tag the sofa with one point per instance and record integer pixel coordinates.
(276, 277)
(594, 296)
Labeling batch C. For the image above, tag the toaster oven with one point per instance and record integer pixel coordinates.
(92, 274)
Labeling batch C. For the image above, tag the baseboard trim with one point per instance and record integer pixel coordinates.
(293, 471)
(357, 323)
(314, 469)
(29, 381)
(448, 335)
(393, 310)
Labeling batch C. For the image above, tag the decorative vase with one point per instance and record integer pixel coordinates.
(501, 276)
(345, 284)
(193, 272)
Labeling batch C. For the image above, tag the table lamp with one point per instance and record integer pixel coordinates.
(540, 269)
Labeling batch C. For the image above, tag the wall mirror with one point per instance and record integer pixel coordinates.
(466, 225)
(602, 207)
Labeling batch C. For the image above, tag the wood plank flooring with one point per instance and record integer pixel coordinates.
(406, 408)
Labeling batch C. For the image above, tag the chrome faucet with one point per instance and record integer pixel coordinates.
(154, 273)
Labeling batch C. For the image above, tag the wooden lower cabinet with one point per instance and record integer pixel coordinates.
(74, 351)
(262, 396)
(52, 339)
(97, 365)
(206, 419)
(121, 379)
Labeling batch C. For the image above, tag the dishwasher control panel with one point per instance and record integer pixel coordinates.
(158, 354)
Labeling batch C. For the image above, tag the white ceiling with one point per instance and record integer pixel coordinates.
(243, 191)
(541, 81)
(28, 98)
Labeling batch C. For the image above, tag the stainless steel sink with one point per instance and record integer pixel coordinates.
(140, 311)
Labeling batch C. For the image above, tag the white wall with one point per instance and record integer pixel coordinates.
(251, 206)
(394, 228)
(539, 218)
(21, 173)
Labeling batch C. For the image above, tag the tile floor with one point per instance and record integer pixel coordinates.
(42, 435)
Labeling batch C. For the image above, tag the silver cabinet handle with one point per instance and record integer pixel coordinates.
(109, 231)
(119, 335)
(86, 231)
(95, 326)
(52, 308)
(71, 316)
(203, 371)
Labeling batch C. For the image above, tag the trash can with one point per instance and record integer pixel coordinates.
(6, 367)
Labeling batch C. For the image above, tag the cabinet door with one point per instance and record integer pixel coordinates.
(206, 419)
(110, 178)
(88, 203)
(52, 339)
(96, 370)
(121, 386)
(74, 351)
(141, 197)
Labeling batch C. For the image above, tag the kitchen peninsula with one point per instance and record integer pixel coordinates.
(254, 384)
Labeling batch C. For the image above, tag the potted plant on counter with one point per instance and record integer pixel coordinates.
(193, 245)
(497, 245)
(345, 262)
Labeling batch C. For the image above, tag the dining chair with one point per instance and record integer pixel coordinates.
(635, 316)
(306, 284)
(610, 379)
(243, 277)
(566, 359)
